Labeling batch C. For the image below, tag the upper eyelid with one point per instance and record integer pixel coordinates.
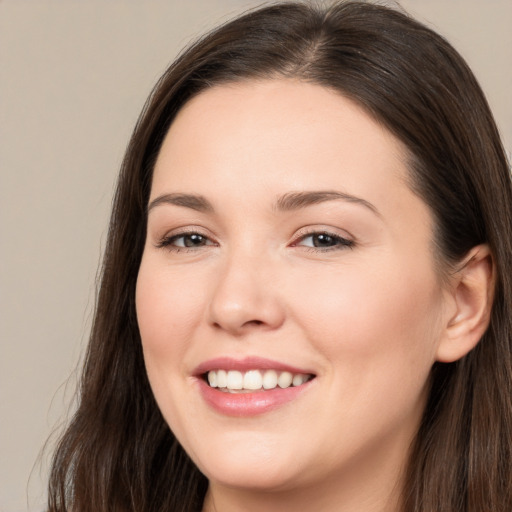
(174, 238)
(312, 230)
(341, 242)
(187, 230)
(166, 239)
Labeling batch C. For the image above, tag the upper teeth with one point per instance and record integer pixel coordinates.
(254, 379)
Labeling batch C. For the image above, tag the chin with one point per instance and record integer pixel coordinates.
(250, 479)
(253, 465)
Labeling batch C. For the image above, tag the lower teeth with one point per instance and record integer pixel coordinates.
(238, 391)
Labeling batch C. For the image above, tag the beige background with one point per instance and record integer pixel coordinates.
(73, 77)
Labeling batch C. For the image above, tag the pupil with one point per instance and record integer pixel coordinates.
(193, 240)
(323, 240)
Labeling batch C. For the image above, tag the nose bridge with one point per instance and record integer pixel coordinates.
(244, 295)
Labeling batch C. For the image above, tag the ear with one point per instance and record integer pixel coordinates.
(471, 293)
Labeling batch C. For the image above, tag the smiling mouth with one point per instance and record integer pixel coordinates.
(233, 381)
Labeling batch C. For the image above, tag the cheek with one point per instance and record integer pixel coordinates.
(377, 332)
(169, 307)
(167, 304)
(386, 318)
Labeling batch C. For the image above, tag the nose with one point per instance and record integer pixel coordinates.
(245, 297)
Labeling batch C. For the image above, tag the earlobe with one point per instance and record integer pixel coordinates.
(472, 294)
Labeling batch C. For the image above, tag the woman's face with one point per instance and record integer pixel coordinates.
(284, 244)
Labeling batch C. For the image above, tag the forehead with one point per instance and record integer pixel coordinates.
(277, 127)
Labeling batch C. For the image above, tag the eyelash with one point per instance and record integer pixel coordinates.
(167, 241)
(341, 243)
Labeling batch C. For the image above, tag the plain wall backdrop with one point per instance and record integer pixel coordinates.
(73, 79)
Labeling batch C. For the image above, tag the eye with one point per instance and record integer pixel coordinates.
(190, 240)
(323, 241)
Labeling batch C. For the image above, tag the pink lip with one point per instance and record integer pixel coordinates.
(245, 364)
(247, 404)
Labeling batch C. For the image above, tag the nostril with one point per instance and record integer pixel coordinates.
(243, 326)
(254, 322)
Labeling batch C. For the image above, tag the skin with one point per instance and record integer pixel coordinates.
(368, 320)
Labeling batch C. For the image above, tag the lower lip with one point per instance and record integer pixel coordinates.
(249, 404)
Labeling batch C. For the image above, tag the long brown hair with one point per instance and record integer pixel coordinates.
(118, 454)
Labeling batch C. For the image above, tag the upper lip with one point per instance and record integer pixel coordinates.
(246, 364)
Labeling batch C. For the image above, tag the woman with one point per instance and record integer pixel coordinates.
(306, 295)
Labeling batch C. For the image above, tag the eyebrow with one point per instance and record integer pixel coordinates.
(296, 200)
(287, 202)
(195, 202)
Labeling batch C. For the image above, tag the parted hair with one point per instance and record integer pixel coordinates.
(118, 454)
